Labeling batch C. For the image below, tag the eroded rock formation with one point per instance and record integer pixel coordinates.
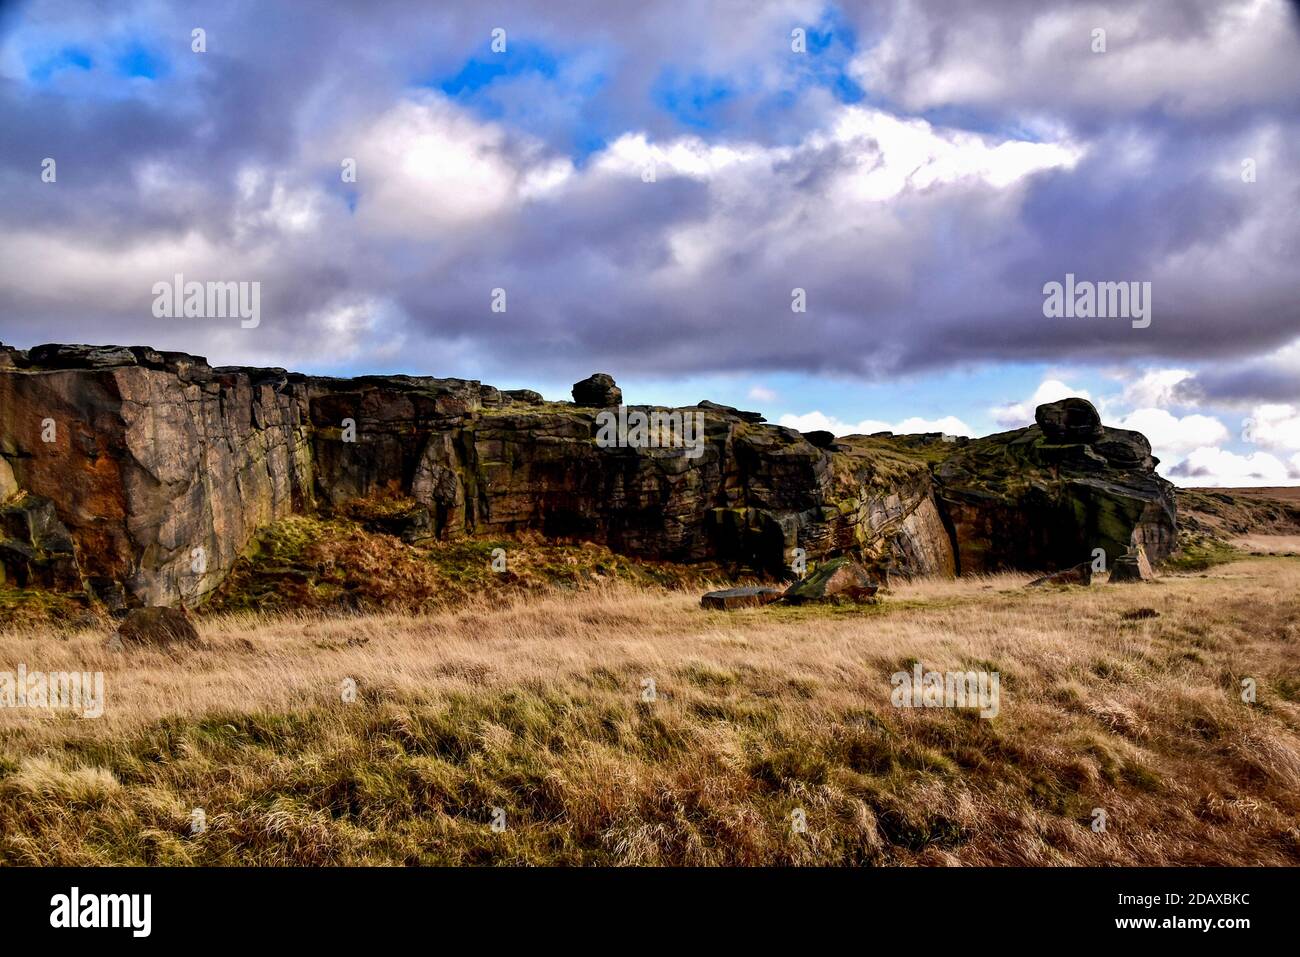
(156, 469)
(1047, 496)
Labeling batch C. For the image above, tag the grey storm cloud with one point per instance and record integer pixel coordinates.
(1242, 383)
(227, 167)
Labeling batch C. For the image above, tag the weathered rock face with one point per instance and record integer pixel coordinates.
(1048, 495)
(35, 548)
(160, 468)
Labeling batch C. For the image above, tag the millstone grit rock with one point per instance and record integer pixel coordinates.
(730, 598)
(1132, 567)
(1042, 496)
(1069, 420)
(158, 627)
(840, 579)
(597, 391)
(156, 455)
(1080, 574)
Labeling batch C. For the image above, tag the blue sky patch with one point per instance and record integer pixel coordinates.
(480, 72)
(68, 58)
(138, 61)
(693, 99)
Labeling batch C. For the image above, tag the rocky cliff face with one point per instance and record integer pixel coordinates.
(141, 476)
(159, 467)
(1049, 495)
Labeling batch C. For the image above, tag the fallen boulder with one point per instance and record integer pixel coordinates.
(1132, 567)
(158, 627)
(840, 579)
(1080, 574)
(732, 598)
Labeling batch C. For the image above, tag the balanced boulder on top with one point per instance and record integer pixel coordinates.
(597, 391)
(1070, 420)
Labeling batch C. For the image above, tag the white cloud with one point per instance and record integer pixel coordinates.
(761, 393)
(1274, 426)
(425, 167)
(894, 154)
(1171, 435)
(1019, 414)
(1243, 51)
(1219, 467)
(949, 425)
(818, 421)
(1155, 388)
(888, 155)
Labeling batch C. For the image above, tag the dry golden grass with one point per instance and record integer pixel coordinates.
(535, 706)
(1268, 544)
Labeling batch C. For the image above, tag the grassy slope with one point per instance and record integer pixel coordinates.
(535, 705)
(1221, 525)
(310, 563)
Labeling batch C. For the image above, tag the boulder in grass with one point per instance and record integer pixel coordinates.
(732, 598)
(158, 627)
(1132, 567)
(840, 579)
(1080, 574)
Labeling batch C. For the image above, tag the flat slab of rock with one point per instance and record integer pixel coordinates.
(731, 598)
(158, 627)
(1080, 574)
(840, 579)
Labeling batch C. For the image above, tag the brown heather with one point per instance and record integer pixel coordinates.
(533, 703)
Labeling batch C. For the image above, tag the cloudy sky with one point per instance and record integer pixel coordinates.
(650, 182)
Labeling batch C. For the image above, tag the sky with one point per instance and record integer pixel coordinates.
(842, 215)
